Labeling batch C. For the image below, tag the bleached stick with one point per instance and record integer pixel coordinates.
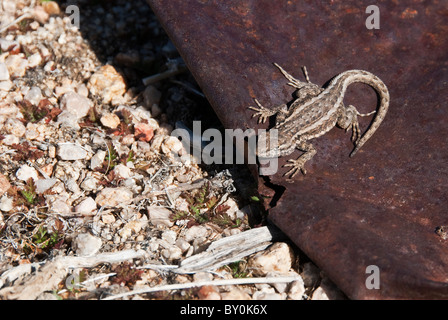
(226, 282)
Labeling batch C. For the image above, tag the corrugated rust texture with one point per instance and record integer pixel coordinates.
(380, 207)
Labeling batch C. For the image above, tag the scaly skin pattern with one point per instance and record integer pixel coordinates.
(313, 113)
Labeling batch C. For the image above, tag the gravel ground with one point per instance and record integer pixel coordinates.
(86, 158)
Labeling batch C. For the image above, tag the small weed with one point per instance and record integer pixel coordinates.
(33, 113)
(45, 240)
(203, 208)
(125, 127)
(238, 269)
(29, 194)
(25, 151)
(126, 274)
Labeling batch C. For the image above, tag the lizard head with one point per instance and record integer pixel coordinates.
(274, 144)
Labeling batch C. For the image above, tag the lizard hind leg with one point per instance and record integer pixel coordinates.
(349, 120)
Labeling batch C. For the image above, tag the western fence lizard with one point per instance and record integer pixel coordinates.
(313, 113)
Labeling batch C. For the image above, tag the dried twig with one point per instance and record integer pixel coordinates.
(54, 272)
(226, 282)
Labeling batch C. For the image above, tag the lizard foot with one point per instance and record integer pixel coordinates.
(262, 112)
(297, 165)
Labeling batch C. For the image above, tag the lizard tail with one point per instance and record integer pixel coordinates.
(383, 105)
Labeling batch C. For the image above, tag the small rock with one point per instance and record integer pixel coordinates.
(82, 90)
(268, 294)
(160, 216)
(16, 65)
(143, 132)
(4, 184)
(235, 294)
(6, 204)
(61, 207)
(233, 212)
(128, 139)
(4, 73)
(171, 145)
(183, 245)
(87, 245)
(71, 151)
(34, 60)
(151, 96)
(51, 7)
(209, 293)
(97, 160)
(281, 287)
(327, 290)
(107, 83)
(76, 104)
(122, 171)
(132, 227)
(43, 185)
(108, 218)
(5, 85)
(34, 95)
(112, 197)
(319, 294)
(277, 258)
(40, 14)
(196, 232)
(110, 120)
(172, 253)
(86, 206)
(169, 236)
(10, 139)
(68, 120)
(202, 277)
(25, 172)
(296, 290)
(15, 127)
(9, 45)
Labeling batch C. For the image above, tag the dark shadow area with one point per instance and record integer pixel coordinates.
(127, 35)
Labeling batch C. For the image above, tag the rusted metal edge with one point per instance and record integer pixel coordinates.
(382, 206)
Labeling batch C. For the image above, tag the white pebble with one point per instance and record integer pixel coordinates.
(277, 258)
(34, 95)
(86, 206)
(76, 104)
(97, 160)
(43, 185)
(34, 60)
(110, 120)
(4, 73)
(160, 216)
(87, 245)
(113, 197)
(25, 172)
(71, 151)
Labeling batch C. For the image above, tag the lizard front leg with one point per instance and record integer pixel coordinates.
(297, 165)
(264, 113)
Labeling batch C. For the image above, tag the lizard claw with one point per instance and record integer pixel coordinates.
(261, 112)
(297, 165)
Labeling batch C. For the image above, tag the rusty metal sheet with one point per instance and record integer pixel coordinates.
(381, 207)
